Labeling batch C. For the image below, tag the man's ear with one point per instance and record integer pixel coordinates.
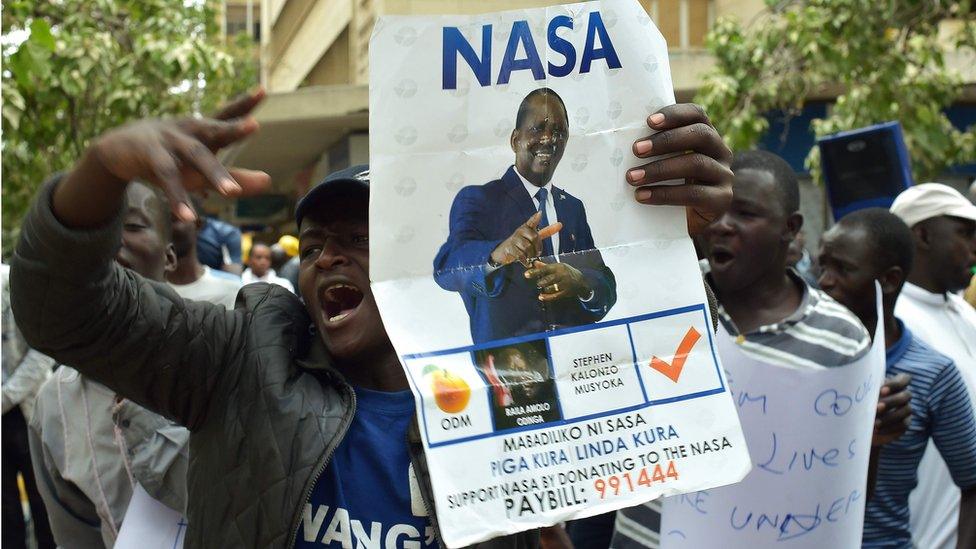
(922, 236)
(892, 279)
(511, 140)
(170, 264)
(793, 225)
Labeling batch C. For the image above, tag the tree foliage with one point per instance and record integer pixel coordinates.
(884, 60)
(75, 68)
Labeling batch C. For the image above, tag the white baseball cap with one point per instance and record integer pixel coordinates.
(929, 200)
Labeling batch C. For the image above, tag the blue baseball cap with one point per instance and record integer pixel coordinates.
(352, 179)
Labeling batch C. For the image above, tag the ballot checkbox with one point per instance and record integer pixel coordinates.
(675, 356)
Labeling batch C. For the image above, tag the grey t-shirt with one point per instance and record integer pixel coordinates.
(820, 333)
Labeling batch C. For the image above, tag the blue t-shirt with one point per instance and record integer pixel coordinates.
(366, 497)
(213, 238)
(941, 409)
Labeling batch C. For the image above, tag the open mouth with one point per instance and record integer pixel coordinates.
(720, 257)
(339, 300)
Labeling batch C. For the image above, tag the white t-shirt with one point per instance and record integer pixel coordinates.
(271, 277)
(216, 289)
(947, 324)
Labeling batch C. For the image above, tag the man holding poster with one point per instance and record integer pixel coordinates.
(806, 403)
(500, 233)
(568, 380)
(282, 382)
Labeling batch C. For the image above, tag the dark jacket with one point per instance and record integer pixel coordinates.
(501, 302)
(254, 385)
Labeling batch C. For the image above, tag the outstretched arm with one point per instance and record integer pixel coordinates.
(75, 304)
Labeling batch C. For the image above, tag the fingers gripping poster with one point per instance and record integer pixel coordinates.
(554, 332)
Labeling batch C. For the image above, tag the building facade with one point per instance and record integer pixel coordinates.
(315, 67)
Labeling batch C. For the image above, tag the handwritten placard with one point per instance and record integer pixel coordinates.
(809, 437)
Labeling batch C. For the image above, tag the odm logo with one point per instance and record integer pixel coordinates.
(451, 393)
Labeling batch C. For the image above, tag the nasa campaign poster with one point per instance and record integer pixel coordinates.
(555, 333)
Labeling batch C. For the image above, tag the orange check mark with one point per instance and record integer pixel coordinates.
(673, 370)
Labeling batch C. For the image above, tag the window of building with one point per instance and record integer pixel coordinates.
(684, 23)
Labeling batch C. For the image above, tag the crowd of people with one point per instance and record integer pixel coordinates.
(241, 388)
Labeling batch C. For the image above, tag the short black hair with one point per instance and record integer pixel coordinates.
(523, 109)
(892, 241)
(782, 173)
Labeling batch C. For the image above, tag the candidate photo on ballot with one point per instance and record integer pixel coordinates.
(523, 390)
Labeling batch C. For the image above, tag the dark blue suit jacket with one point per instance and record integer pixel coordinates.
(502, 303)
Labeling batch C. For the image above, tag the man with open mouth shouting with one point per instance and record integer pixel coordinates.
(300, 414)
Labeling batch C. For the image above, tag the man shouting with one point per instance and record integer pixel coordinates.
(520, 251)
(301, 420)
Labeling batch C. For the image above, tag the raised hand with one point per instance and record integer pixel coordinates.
(241, 105)
(176, 155)
(525, 243)
(703, 163)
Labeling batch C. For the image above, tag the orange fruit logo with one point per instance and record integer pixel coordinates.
(451, 393)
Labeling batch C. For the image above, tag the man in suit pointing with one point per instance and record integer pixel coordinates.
(520, 251)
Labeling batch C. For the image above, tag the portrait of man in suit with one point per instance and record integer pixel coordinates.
(520, 252)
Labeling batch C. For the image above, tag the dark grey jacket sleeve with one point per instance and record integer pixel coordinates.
(75, 304)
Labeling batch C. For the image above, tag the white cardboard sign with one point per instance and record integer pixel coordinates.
(809, 435)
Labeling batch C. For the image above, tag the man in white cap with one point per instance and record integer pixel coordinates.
(943, 223)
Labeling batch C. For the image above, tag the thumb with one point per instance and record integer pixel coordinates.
(533, 221)
(550, 230)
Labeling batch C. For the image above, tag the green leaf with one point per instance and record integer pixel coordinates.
(797, 48)
(114, 65)
(41, 34)
(430, 368)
